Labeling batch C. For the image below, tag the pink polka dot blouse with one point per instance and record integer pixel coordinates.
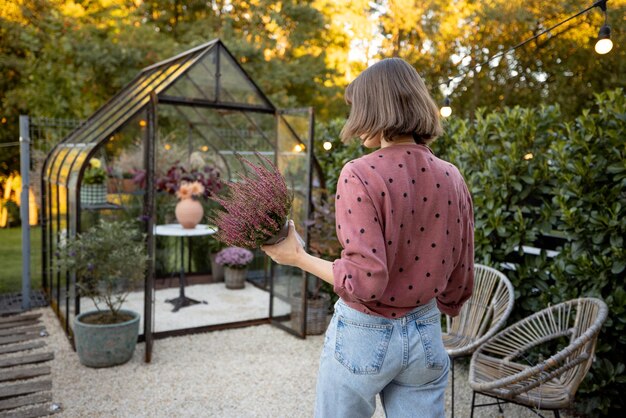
(405, 221)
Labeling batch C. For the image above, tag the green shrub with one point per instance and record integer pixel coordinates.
(590, 200)
(574, 186)
(503, 157)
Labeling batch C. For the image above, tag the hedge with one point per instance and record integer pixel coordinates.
(538, 180)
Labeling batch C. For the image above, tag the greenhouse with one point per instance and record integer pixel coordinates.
(190, 115)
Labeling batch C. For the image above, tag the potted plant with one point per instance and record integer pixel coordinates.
(189, 210)
(255, 208)
(109, 261)
(235, 261)
(93, 190)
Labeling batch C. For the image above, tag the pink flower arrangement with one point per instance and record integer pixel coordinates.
(190, 190)
(234, 257)
(255, 208)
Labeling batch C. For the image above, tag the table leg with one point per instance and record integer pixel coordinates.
(181, 301)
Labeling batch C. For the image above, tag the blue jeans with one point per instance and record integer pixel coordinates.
(401, 359)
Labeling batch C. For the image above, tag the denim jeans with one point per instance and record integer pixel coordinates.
(401, 359)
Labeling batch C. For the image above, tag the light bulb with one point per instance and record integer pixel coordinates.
(604, 44)
(298, 148)
(446, 110)
(327, 145)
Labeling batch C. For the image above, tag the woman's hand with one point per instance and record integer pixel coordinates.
(289, 251)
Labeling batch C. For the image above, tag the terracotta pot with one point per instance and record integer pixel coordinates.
(128, 186)
(189, 213)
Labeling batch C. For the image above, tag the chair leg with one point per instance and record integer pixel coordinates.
(473, 401)
(499, 406)
(452, 399)
(556, 414)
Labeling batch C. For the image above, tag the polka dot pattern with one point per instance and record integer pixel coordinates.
(376, 201)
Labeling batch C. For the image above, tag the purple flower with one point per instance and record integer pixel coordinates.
(234, 257)
(90, 266)
(208, 176)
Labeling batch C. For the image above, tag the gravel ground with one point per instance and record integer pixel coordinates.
(257, 371)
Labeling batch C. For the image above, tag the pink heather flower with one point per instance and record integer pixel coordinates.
(234, 257)
(255, 207)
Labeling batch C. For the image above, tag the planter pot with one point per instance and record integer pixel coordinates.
(189, 213)
(129, 185)
(217, 270)
(316, 313)
(105, 345)
(93, 194)
(235, 278)
(282, 234)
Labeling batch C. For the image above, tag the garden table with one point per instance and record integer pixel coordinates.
(176, 230)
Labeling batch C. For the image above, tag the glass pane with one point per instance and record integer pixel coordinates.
(199, 81)
(288, 283)
(235, 86)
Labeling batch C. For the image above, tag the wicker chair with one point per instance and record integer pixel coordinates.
(481, 316)
(504, 368)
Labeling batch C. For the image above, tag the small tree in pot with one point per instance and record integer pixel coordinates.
(109, 261)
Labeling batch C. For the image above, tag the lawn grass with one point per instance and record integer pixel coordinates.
(11, 259)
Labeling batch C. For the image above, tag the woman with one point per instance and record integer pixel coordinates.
(405, 221)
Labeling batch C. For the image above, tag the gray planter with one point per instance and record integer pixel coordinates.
(235, 278)
(105, 345)
(316, 313)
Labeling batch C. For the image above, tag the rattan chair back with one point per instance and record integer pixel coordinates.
(508, 367)
(482, 315)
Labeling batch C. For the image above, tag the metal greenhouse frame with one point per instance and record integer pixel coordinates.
(201, 101)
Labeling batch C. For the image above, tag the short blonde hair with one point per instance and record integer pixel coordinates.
(390, 98)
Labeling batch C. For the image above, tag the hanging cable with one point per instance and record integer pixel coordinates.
(603, 46)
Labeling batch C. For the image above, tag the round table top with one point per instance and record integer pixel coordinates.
(177, 230)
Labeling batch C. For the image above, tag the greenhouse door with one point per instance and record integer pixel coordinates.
(288, 285)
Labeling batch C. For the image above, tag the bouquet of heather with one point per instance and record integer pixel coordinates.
(255, 209)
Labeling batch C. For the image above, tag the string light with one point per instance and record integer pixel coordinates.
(143, 123)
(167, 147)
(603, 46)
(298, 148)
(204, 148)
(528, 156)
(327, 145)
(446, 110)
